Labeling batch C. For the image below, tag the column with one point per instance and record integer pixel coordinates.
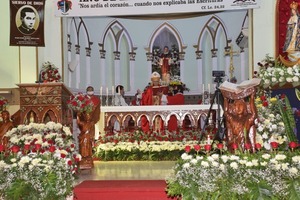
(117, 68)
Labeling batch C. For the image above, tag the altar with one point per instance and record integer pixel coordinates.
(130, 117)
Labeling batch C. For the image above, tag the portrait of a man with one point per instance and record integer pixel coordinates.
(28, 20)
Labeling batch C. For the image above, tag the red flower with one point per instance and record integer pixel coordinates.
(234, 146)
(220, 146)
(258, 146)
(187, 149)
(69, 162)
(50, 142)
(80, 97)
(15, 149)
(27, 147)
(247, 146)
(38, 146)
(62, 155)
(263, 98)
(197, 147)
(265, 104)
(282, 96)
(207, 147)
(2, 147)
(293, 145)
(274, 145)
(52, 149)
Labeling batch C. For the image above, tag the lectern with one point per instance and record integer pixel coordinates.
(44, 102)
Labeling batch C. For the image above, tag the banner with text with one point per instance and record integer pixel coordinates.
(71, 8)
(27, 23)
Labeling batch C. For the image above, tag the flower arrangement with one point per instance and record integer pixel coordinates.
(39, 162)
(273, 72)
(242, 176)
(143, 150)
(3, 102)
(138, 145)
(177, 84)
(81, 103)
(275, 121)
(50, 73)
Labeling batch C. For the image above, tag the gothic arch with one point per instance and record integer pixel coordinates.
(117, 31)
(213, 27)
(78, 26)
(170, 28)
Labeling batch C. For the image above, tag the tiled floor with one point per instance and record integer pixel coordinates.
(128, 170)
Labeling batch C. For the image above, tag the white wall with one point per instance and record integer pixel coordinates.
(20, 64)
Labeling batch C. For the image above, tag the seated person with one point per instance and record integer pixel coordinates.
(137, 99)
(119, 96)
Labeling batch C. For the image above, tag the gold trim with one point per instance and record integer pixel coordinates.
(288, 63)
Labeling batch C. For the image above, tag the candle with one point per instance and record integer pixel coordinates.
(208, 87)
(112, 90)
(106, 91)
(203, 88)
(101, 91)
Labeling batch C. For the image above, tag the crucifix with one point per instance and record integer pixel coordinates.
(231, 53)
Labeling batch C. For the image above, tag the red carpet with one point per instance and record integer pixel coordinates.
(121, 189)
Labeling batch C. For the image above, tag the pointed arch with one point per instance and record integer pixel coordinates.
(117, 31)
(213, 27)
(172, 30)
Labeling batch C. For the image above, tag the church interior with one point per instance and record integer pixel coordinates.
(142, 79)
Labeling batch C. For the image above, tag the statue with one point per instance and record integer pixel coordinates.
(292, 40)
(239, 117)
(165, 63)
(95, 113)
(86, 122)
(86, 139)
(5, 126)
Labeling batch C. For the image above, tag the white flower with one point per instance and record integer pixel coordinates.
(280, 157)
(296, 79)
(296, 159)
(204, 164)
(266, 156)
(186, 165)
(194, 161)
(293, 170)
(264, 163)
(234, 165)
(224, 158)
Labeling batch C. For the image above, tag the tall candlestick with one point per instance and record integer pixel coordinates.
(106, 91)
(203, 88)
(101, 91)
(112, 90)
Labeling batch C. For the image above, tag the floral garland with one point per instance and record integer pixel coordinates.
(81, 103)
(273, 72)
(50, 73)
(39, 162)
